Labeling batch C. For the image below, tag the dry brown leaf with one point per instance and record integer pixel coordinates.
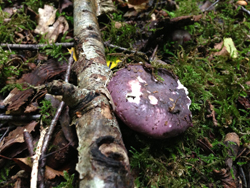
(105, 7)
(59, 27)
(47, 24)
(26, 164)
(226, 47)
(64, 4)
(137, 2)
(38, 76)
(31, 107)
(16, 136)
(46, 18)
(50, 173)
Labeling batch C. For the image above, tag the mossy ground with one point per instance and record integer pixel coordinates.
(180, 161)
(220, 80)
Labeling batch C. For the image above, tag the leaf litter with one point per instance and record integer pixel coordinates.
(204, 44)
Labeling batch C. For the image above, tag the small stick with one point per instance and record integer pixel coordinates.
(34, 172)
(19, 118)
(56, 151)
(52, 127)
(154, 53)
(36, 46)
(243, 176)
(124, 49)
(4, 134)
(29, 141)
(245, 10)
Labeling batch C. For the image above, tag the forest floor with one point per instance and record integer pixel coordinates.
(204, 43)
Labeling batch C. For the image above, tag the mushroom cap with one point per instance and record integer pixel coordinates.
(156, 109)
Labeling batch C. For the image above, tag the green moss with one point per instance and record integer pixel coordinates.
(16, 23)
(221, 80)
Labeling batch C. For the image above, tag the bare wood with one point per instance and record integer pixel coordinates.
(102, 157)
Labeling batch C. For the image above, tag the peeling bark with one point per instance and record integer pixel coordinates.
(102, 157)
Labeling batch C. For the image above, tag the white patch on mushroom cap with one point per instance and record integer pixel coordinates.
(141, 80)
(152, 99)
(134, 96)
(180, 86)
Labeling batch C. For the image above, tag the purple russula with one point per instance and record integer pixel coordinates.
(156, 109)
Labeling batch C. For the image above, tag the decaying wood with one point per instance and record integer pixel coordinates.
(102, 157)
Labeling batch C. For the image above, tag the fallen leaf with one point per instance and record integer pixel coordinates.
(227, 48)
(47, 24)
(16, 136)
(105, 7)
(38, 76)
(50, 173)
(46, 18)
(26, 164)
(64, 4)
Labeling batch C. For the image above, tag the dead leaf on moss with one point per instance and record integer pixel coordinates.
(245, 102)
(47, 24)
(227, 48)
(138, 5)
(47, 17)
(105, 7)
(59, 27)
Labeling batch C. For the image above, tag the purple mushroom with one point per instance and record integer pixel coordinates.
(156, 109)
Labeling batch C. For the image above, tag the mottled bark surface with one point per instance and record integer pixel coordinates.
(103, 160)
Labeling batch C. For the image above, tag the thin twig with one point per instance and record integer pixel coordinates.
(55, 151)
(29, 142)
(153, 54)
(19, 118)
(4, 134)
(243, 176)
(211, 6)
(245, 10)
(36, 46)
(124, 49)
(34, 172)
(51, 128)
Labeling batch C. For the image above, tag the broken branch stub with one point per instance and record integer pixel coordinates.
(102, 156)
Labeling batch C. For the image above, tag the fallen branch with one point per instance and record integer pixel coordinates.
(102, 156)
